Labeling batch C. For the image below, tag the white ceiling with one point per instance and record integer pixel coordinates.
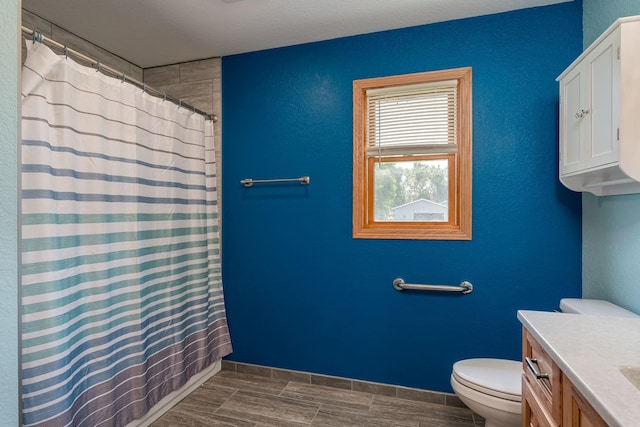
(160, 32)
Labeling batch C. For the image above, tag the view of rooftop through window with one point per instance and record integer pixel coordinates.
(411, 190)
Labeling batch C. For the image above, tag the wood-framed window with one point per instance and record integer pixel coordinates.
(412, 156)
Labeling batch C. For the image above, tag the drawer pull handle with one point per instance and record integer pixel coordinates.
(534, 370)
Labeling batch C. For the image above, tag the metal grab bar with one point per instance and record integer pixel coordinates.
(464, 287)
(248, 182)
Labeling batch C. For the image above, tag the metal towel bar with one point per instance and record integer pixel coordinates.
(248, 182)
(464, 287)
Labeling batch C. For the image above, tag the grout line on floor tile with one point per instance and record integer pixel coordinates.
(400, 392)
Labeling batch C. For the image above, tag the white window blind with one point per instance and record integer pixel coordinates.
(412, 120)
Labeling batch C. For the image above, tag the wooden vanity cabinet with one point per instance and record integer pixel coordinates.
(549, 399)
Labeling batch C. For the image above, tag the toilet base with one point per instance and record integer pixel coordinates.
(496, 412)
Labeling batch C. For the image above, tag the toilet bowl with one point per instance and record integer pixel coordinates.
(492, 387)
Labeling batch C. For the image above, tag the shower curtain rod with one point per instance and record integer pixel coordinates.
(39, 37)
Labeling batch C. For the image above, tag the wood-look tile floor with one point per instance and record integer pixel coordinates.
(237, 399)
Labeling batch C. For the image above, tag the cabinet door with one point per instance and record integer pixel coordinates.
(604, 109)
(534, 413)
(576, 411)
(573, 100)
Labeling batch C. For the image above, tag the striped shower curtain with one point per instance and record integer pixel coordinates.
(121, 286)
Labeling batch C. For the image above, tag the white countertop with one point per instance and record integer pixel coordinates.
(590, 351)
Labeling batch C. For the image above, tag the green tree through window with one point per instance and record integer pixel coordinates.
(399, 183)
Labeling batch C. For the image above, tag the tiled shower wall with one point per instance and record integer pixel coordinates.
(197, 83)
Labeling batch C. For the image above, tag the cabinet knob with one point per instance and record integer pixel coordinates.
(581, 114)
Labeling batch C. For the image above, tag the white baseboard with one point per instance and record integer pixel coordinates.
(172, 399)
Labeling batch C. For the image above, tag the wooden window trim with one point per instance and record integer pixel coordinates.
(459, 225)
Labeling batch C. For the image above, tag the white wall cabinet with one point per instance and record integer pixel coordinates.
(600, 114)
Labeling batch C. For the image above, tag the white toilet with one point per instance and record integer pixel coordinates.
(492, 387)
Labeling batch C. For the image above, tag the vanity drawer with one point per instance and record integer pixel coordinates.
(542, 376)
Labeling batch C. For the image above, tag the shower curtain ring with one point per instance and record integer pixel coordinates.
(124, 78)
(179, 103)
(66, 52)
(144, 87)
(37, 37)
(98, 68)
(165, 96)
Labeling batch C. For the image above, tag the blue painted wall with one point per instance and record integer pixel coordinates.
(302, 294)
(611, 225)
(9, 115)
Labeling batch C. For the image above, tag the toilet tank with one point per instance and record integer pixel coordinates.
(594, 307)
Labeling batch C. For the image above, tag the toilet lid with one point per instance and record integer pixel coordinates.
(497, 377)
